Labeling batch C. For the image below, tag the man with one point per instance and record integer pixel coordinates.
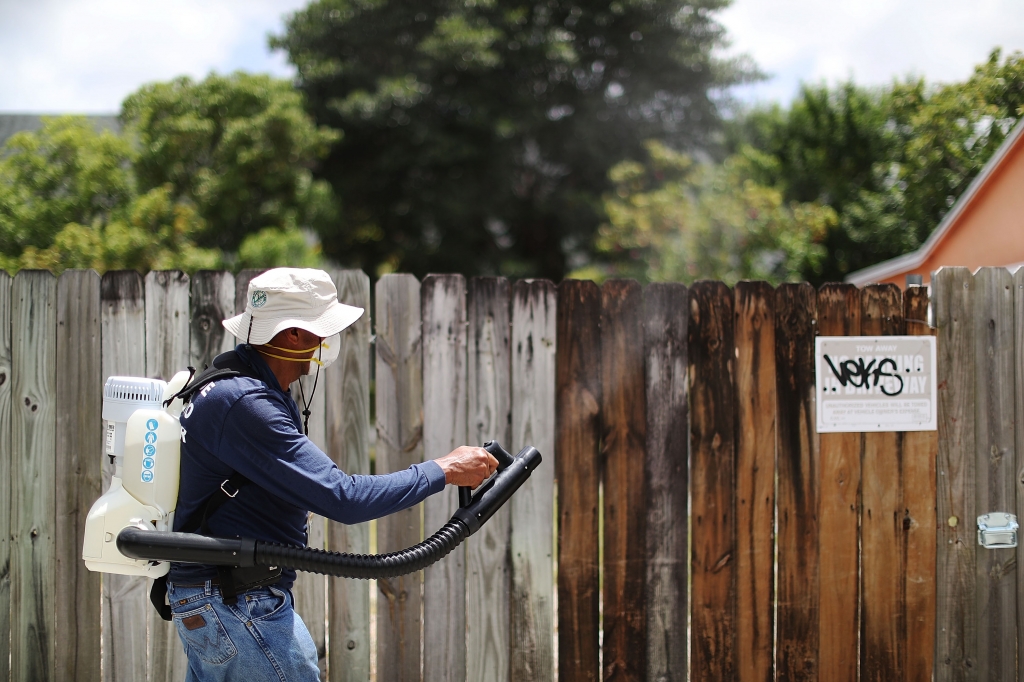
(248, 470)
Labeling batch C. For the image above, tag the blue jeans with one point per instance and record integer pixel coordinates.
(260, 638)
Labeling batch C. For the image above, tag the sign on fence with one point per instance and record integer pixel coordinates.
(875, 383)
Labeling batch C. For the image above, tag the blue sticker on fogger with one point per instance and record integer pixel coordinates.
(148, 462)
(149, 451)
(152, 425)
(147, 476)
(150, 437)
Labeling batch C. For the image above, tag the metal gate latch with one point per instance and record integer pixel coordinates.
(997, 530)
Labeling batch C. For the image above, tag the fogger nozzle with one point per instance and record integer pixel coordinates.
(140, 543)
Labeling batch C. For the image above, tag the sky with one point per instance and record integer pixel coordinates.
(85, 56)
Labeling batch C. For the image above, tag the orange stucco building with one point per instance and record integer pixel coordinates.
(984, 227)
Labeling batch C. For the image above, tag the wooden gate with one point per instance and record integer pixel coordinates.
(699, 527)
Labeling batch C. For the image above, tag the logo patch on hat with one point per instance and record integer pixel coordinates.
(259, 297)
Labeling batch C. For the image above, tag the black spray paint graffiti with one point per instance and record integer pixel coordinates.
(860, 375)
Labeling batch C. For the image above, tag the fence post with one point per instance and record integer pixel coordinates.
(79, 463)
(444, 429)
(347, 400)
(578, 429)
(754, 335)
(531, 652)
(33, 526)
(956, 647)
(487, 570)
(399, 384)
(798, 484)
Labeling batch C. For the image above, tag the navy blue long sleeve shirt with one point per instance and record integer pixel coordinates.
(254, 427)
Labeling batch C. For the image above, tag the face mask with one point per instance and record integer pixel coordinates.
(330, 349)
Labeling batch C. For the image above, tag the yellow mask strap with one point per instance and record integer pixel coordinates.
(290, 350)
(281, 357)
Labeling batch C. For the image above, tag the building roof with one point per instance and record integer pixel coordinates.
(914, 259)
(17, 123)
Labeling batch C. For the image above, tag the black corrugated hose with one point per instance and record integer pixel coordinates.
(139, 543)
(366, 566)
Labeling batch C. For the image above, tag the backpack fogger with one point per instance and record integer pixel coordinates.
(128, 530)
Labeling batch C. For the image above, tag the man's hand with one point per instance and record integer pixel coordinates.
(467, 466)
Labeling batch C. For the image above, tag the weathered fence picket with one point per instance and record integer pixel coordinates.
(883, 609)
(995, 468)
(577, 471)
(956, 652)
(444, 429)
(839, 310)
(167, 353)
(125, 598)
(347, 421)
(920, 449)
(798, 489)
(1018, 373)
(33, 527)
(79, 442)
(531, 650)
(6, 489)
(754, 336)
(713, 482)
(666, 319)
(489, 404)
(399, 382)
(624, 438)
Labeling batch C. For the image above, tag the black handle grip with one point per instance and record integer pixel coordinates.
(504, 461)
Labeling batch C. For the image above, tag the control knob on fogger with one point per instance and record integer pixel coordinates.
(142, 440)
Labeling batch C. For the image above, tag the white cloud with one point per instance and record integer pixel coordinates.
(87, 55)
(871, 41)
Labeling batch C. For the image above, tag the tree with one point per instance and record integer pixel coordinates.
(68, 198)
(673, 219)
(889, 161)
(479, 135)
(238, 148)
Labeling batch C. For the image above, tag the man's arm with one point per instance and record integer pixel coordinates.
(260, 441)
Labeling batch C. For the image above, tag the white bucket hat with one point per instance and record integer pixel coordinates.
(283, 298)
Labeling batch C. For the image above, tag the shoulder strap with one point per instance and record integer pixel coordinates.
(226, 365)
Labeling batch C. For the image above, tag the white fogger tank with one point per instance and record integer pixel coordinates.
(142, 439)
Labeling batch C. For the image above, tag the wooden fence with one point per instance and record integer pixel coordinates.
(737, 543)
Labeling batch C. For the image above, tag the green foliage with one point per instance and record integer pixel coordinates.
(238, 148)
(209, 174)
(479, 135)
(674, 219)
(65, 173)
(890, 162)
(68, 199)
(273, 247)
